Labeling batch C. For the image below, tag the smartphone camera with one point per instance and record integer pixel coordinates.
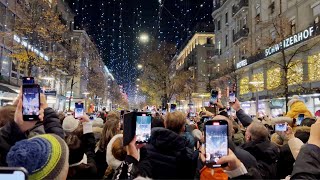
(31, 102)
(300, 119)
(232, 97)
(281, 127)
(216, 141)
(143, 128)
(78, 110)
(28, 80)
(214, 97)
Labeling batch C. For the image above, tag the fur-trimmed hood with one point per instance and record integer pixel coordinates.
(301, 129)
(111, 160)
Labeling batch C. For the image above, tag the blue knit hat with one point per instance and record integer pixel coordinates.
(44, 156)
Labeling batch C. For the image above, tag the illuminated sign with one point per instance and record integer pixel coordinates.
(242, 63)
(30, 47)
(290, 41)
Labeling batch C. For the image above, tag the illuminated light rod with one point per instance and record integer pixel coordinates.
(30, 47)
(108, 72)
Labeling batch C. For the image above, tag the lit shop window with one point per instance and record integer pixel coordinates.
(314, 67)
(244, 85)
(295, 72)
(273, 78)
(258, 77)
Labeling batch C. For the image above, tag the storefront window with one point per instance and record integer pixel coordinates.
(244, 85)
(273, 78)
(5, 62)
(314, 67)
(295, 72)
(258, 77)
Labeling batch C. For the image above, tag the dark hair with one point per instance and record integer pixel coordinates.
(110, 129)
(308, 122)
(157, 121)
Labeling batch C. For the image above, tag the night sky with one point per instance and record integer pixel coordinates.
(115, 25)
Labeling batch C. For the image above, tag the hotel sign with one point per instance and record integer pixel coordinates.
(242, 63)
(290, 41)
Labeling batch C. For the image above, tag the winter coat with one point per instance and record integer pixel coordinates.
(244, 118)
(298, 108)
(169, 156)
(307, 165)
(50, 124)
(89, 170)
(100, 158)
(266, 154)
(10, 133)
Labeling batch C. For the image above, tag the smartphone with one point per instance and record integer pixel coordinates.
(216, 141)
(281, 127)
(232, 97)
(13, 173)
(78, 110)
(143, 128)
(31, 102)
(300, 119)
(173, 107)
(27, 80)
(214, 97)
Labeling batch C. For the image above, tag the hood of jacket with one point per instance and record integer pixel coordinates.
(265, 151)
(166, 140)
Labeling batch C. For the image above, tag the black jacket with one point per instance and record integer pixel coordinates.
(88, 171)
(285, 162)
(169, 156)
(266, 154)
(244, 118)
(101, 162)
(50, 124)
(9, 135)
(307, 165)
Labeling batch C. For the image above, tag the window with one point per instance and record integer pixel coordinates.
(316, 9)
(2, 14)
(293, 26)
(227, 40)
(5, 61)
(295, 72)
(273, 34)
(218, 25)
(219, 47)
(10, 20)
(226, 16)
(258, 10)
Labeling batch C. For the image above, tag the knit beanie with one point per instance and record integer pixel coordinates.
(44, 156)
(70, 124)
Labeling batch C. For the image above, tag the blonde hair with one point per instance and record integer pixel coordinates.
(175, 121)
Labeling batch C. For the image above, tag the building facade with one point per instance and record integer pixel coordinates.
(196, 56)
(261, 39)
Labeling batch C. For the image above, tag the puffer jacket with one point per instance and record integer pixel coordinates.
(169, 156)
(266, 154)
(298, 108)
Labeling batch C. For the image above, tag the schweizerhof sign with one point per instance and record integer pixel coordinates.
(290, 41)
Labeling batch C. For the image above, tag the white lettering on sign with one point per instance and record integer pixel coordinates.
(30, 47)
(290, 41)
(242, 63)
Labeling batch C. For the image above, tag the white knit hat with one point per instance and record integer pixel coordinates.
(294, 99)
(70, 124)
(97, 122)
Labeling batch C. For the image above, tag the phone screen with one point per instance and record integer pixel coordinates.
(12, 175)
(31, 102)
(78, 110)
(232, 97)
(27, 80)
(173, 107)
(143, 128)
(300, 119)
(281, 127)
(216, 145)
(214, 97)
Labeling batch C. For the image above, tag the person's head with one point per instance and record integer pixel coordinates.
(256, 132)
(44, 156)
(308, 122)
(71, 125)
(7, 114)
(103, 109)
(277, 139)
(175, 122)
(157, 121)
(116, 152)
(111, 128)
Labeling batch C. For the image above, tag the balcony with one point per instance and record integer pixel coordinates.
(218, 4)
(243, 33)
(237, 8)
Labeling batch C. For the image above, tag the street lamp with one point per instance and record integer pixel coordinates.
(144, 38)
(256, 84)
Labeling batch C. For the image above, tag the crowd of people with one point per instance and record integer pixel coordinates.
(62, 147)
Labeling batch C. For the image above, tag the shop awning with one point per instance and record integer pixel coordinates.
(7, 89)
